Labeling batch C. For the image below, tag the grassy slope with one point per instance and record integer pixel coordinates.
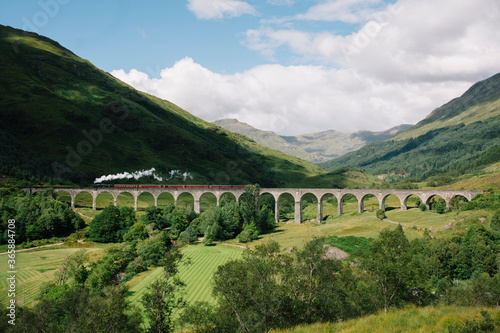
(366, 224)
(49, 96)
(428, 319)
(36, 267)
(197, 275)
(484, 179)
(459, 137)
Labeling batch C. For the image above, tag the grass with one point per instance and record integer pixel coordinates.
(197, 275)
(411, 319)
(34, 268)
(367, 225)
(485, 179)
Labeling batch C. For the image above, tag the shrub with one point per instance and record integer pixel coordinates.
(248, 234)
(495, 221)
(422, 207)
(381, 214)
(137, 231)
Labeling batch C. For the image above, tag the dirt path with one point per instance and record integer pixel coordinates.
(34, 248)
(81, 214)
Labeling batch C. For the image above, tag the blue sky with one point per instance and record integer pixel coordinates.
(291, 66)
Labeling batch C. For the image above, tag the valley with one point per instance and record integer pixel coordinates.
(239, 242)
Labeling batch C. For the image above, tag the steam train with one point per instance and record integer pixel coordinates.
(171, 186)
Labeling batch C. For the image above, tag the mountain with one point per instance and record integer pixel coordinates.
(62, 120)
(460, 137)
(313, 147)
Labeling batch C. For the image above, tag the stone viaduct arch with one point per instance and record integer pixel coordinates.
(296, 193)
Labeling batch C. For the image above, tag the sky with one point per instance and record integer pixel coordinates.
(289, 66)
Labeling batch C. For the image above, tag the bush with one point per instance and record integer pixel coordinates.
(137, 231)
(422, 207)
(495, 221)
(248, 234)
(381, 214)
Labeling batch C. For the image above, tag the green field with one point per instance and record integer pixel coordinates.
(197, 275)
(34, 268)
(367, 225)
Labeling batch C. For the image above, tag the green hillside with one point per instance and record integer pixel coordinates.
(460, 137)
(64, 120)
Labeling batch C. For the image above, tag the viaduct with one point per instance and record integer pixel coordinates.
(297, 193)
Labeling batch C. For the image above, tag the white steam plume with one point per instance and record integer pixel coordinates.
(177, 174)
(126, 175)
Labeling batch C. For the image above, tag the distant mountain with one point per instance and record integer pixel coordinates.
(457, 138)
(314, 147)
(64, 120)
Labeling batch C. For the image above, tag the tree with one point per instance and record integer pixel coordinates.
(155, 217)
(388, 261)
(105, 226)
(495, 221)
(77, 309)
(153, 249)
(73, 268)
(137, 231)
(163, 295)
(251, 289)
(315, 286)
(265, 220)
(249, 204)
(127, 217)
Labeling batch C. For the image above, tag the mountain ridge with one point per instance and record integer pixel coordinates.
(313, 147)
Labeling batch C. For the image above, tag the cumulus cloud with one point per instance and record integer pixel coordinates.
(293, 99)
(410, 40)
(402, 62)
(218, 9)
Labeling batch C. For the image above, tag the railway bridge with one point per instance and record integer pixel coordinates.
(297, 193)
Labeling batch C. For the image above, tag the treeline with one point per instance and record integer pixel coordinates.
(36, 217)
(267, 289)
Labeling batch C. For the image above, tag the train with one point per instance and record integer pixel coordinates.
(171, 186)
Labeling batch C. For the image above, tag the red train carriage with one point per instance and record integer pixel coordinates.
(181, 186)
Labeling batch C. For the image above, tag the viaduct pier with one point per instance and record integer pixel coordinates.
(297, 193)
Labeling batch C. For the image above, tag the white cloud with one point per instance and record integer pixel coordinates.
(404, 61)
(294, 99)
(281, 2)
(218, 9)
(412, 40)
(349, 11)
